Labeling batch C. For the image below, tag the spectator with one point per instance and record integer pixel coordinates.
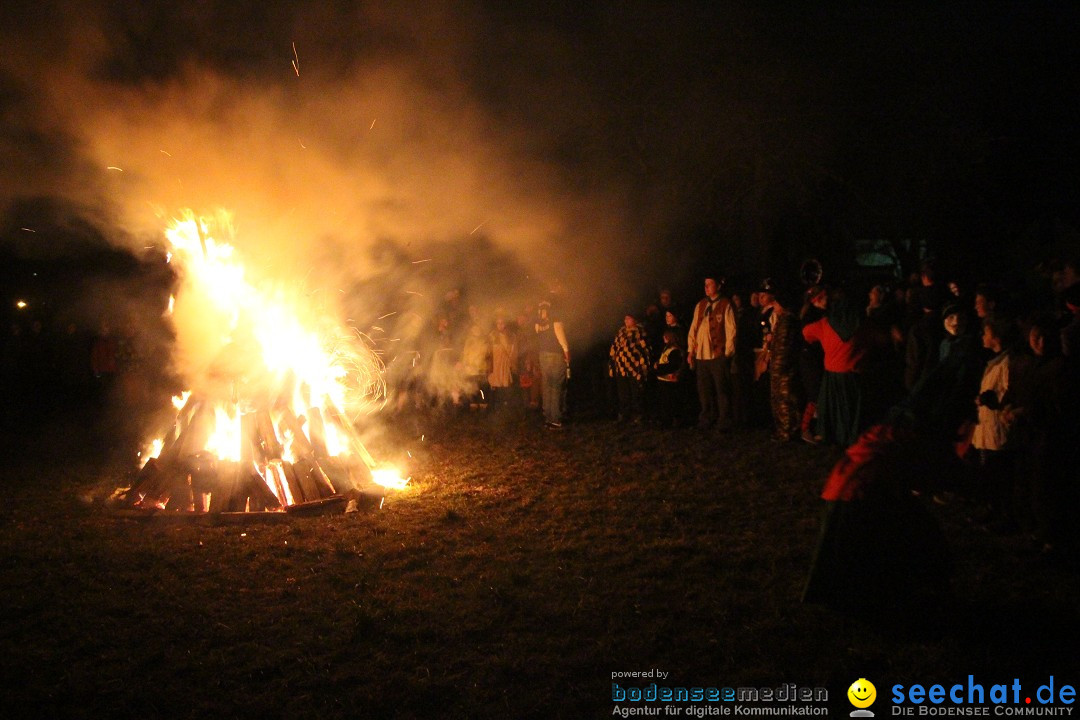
(811, 364)
(711, 345)
(839, 406)
(629, 355)
(995, 461)
(503, 354)
(528, 364)
(923, 339)
(670, 371)
(986, 300)
(783, 363)
(554, 357)
(668, 305)
(742, 364)
(476, 366)
(1041, 422)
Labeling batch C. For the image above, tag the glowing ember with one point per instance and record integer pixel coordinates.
(389, 477)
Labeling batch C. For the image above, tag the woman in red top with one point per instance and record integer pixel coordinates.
(839, 405)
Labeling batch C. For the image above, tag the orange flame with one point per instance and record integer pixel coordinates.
(251, 346)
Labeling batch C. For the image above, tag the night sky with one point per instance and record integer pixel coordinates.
(637, 142)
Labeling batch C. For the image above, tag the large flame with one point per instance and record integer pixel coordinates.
(252, 347)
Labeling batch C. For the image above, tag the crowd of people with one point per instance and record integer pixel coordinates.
(991, 374)
(988, 373)
(496, 362)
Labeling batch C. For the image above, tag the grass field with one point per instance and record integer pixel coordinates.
(521, 569)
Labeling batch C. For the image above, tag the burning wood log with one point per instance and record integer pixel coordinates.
(335, 503)
(275, 478)
(168, 484)
(223, 494)
(317, 429)
(313, 476)
(180, 421)
(146, 478)
(338, 418)
(313, 472)
(192, 437)
(248, 429)
(359, 473)
(295, 488)
(301, 446)
(258, 493)
(306, 473)
(266, 437)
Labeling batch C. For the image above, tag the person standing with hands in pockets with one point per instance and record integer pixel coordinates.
(710, 347)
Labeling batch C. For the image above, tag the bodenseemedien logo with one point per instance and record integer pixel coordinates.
(862, 694)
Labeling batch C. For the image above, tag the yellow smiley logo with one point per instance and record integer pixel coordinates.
(862, 693)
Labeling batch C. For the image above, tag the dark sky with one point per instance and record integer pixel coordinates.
(611, 139)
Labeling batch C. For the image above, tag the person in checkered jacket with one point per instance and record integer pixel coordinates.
(629, 365)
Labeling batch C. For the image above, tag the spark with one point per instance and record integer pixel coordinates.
(301, 143)
(165, 153)
(376, 327)
(413, 292)
(21, 304)
(386, 315)
(113, 167)
(381, 501)
(478, 227)
(417, 262)
(372, 124)
(28, 230)
(296, 60)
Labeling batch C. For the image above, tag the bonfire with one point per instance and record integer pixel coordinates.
(276, 386)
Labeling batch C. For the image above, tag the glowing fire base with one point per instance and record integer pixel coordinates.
(283, 465)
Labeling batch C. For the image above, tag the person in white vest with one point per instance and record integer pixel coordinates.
(710, 347)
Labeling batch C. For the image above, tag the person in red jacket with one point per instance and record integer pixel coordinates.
(839, 405)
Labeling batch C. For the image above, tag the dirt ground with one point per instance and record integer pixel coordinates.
(517, 573)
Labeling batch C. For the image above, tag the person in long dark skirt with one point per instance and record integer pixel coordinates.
(879, 547)
(839, 405)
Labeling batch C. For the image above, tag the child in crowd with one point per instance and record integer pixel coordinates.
(670, 370)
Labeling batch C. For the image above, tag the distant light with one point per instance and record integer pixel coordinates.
(21, 304)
